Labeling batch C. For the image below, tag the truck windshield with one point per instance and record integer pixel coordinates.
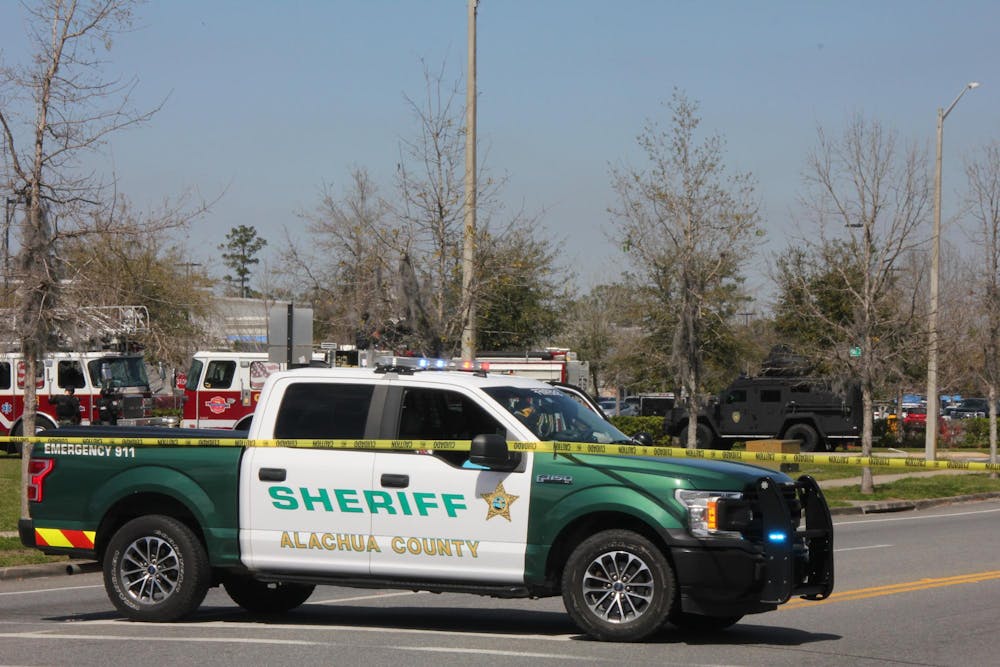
(552, 415)
(122, 371)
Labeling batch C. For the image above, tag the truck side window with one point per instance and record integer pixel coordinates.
(770, 396)
(4, 375)
(737, 396)
(193, 375)
(435, 414)
(321, 410)
(69, 374)
(219, 374)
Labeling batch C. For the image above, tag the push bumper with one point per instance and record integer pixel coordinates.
(780, 556)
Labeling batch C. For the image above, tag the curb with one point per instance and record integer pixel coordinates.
(904, 505)
(48, 569)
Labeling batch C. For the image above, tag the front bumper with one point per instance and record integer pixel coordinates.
(728, 577)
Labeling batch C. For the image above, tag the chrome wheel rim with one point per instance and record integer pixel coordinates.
(149, 570)
(618, 587)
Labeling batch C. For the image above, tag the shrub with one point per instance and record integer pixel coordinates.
(633, 425)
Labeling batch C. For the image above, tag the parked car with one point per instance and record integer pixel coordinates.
(613, 407)
(915, 419)
(968, 408)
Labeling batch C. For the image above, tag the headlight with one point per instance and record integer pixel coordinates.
(714, 513)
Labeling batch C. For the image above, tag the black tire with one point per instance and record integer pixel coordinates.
(806, 435)
(156, 570)
(699, 624)
(40, 425)
(705, 438)
(617, 586)
(266, 598)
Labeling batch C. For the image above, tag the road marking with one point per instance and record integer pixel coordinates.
(51, 590)
(33, 636)
(505, 654)
(195, 623)
(363, 597)
(874, 546)
(132, 638)
(895, 589)
(916, 518)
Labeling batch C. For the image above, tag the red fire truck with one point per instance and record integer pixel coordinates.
(554, 364)
(221, 388)
(117, 381)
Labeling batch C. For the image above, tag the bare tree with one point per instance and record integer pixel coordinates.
(430, 182)
(984, 201)
(122, 263)
(688, 227)
(867, 197)
(594, 327)
(53, 111)
(346, 269)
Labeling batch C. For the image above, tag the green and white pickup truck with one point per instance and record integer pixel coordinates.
(630, 542)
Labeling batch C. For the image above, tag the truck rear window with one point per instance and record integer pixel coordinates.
(312, 410)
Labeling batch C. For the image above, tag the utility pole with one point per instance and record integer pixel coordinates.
(933, 403)
(8, 217)
(469, 248)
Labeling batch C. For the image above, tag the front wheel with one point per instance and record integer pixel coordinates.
(806, 435)
(156, 569)
(618, 586)
(263, 598)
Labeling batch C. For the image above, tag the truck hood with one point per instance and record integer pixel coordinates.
(686, 473)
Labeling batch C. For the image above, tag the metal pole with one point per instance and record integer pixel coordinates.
(469, 249)
(933, 404)
(288, 337)
(7, 217)
(930, 433)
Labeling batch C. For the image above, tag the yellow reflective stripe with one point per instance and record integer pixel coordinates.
(77, 445)
(55, 537)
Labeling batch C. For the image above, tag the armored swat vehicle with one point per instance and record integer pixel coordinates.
(809, 410)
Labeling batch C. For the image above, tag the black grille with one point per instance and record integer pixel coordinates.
(791, 495)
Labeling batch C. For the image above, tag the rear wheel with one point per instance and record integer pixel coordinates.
(156, 569)
(263, 598)
(806, 435)
(705, 438)
(244, 424)
(617, 586)
(15, 447)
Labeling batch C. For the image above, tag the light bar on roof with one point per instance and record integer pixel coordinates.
(388, 364)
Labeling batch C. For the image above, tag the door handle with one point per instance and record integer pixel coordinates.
(271, 474)
(395, 481)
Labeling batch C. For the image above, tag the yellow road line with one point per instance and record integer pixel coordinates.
(895, 589)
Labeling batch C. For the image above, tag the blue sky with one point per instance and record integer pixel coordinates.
(267, 101)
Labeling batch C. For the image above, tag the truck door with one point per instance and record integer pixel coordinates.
(307, 510)
(441, 518)
(218, 395)
(770, 409)
(734, 413)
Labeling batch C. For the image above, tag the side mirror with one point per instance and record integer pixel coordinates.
(643, 438)
(490, 451)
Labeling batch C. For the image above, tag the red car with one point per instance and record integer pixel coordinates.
(915, 419)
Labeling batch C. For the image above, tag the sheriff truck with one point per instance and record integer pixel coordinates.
(400, 476)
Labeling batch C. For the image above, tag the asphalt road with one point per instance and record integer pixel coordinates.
(913, 588)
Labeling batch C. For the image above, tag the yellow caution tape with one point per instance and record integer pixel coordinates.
(549, 447)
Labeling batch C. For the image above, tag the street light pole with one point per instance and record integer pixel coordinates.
(933, 404)
(469, 245)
